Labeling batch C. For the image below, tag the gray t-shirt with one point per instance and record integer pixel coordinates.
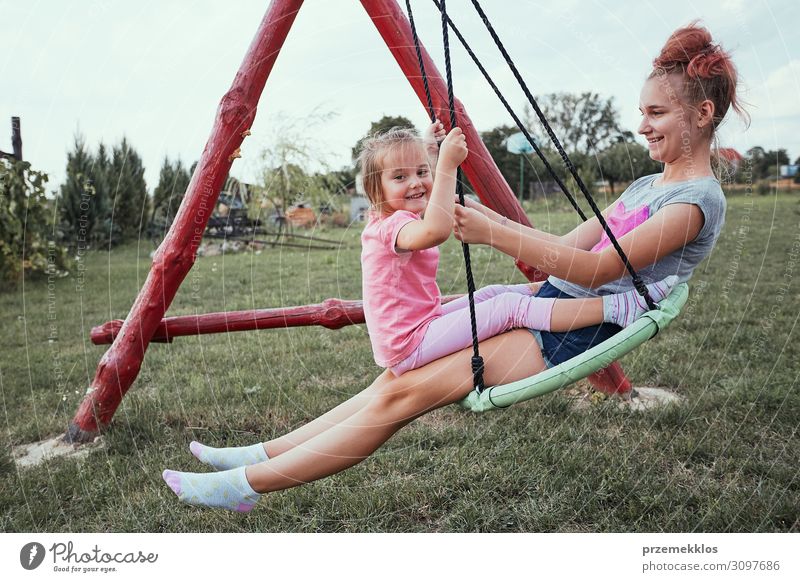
(639, 202)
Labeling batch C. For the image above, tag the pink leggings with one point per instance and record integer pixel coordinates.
(498, 308)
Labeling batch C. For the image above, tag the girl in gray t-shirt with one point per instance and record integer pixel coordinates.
(639, 202)
(642, 200)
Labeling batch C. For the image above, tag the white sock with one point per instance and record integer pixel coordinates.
(229, 457)
(225, 489)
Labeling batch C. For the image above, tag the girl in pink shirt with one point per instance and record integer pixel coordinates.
(411, 215)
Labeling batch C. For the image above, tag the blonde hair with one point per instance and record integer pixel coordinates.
(374, 151)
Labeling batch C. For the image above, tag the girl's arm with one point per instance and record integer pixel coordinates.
(584, 236)
(670, 229)
(436, 225)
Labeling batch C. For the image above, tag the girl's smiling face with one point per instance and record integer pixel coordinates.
(668, 124)
(406, 181)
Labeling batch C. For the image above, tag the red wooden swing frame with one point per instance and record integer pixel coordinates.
(120, 365)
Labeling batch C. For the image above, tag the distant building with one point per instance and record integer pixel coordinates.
(359, 205)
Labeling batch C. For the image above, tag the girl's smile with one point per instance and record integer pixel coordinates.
(406, 182)
(665, 124)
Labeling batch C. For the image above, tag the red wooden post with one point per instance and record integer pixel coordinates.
(120, 365)
(479, 167)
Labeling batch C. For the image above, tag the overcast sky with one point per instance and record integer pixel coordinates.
(155, 71)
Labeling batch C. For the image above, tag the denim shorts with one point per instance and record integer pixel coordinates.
(560, 347)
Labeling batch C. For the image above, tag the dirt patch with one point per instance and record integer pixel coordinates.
(33, 454)
(583, 397)
(648, 397)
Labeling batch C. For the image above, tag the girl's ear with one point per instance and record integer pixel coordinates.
(705, 114)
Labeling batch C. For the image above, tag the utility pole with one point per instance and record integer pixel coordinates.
(16, 141)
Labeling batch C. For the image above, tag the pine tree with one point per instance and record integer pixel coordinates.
(128, 191)
(77, 204)
(102, 191)
(172, 185)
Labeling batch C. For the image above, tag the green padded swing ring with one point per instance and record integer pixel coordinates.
(579, 367)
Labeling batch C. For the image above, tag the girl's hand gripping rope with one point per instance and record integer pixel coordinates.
(433, 136)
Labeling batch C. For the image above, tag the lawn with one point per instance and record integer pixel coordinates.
(725, 459)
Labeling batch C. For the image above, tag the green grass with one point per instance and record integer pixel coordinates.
(725, 460)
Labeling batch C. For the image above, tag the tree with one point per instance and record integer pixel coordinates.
(82, 203)
(585, 123)
(129, 190)
(797, 177)
(287, 160)
(27, 241)
(173, 181)
(102, 190)
(765, 164)
(625, 161)
(338, 181)
(384, 124)
(495, 142)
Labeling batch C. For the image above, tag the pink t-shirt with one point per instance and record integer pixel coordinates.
(399, 288)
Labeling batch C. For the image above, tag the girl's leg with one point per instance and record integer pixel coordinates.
(231, 457)
(488, 292)
(570, 314)
(290, 440)
(331, 418)
(620, 308)
(453, 332)
(391, 406)
(396, 403)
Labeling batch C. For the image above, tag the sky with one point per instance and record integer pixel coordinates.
(154, 71)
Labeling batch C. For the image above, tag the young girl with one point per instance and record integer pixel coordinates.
(692, 86)
(411, 215)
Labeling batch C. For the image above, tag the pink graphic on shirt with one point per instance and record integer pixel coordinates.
(621, 222)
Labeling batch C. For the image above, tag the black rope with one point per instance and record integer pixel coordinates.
(477, 360)
(515, 117)
(431, 111)
(637, 281)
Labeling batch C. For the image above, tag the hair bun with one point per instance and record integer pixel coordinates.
(684, 46)
(709, 63)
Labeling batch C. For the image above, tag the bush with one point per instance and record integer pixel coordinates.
(27, 244)
(764, 188)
